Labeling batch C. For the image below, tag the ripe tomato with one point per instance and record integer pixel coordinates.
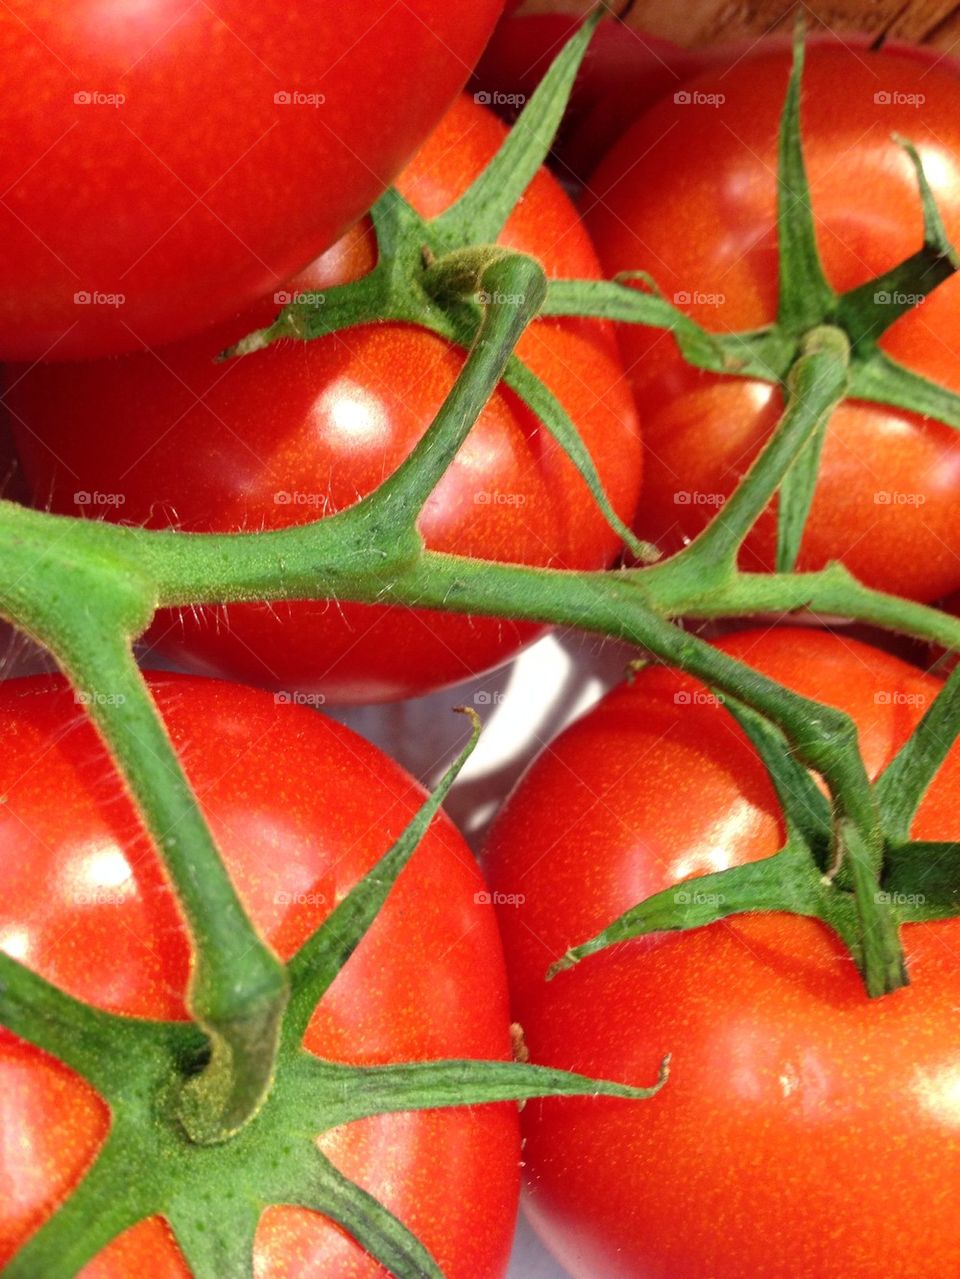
(302, 808)
(172, 161)
(689, 193)
(297, 431)
(805, 1129)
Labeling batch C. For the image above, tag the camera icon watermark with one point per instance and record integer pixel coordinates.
(483, 697)
(895, 98)
(694, 497)
(94, 98)
(299, 899)
(697, 697)
(83, 497)
(696, 98)
(299, 699)
(694, 897)
(898, 697)
(283, 297)
(94, 297)
(490, 898)
(684, 297)
(494, 98)
(297, 98)
(99, 699)
(894, 497)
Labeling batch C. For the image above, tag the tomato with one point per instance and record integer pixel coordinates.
(297, 431)
(174, 161)
(301, 808)
(805, 1129)
(689, 193)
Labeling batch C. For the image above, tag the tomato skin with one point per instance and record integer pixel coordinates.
(698, 209)
(130, 172)
(805, 1129)
(175, 438)
(301, 808)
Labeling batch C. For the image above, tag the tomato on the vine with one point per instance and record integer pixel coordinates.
(299, 430)
(301, 808)
(805, 1128)
(689, 193)
(166, 163)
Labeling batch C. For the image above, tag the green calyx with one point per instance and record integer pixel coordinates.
(825, 870)
(213, 1194)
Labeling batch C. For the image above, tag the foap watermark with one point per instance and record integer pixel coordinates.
(299, 899)
(483, 298)
(696, 98)
(896, 98)
(297, 498)
(84, 498)
(900, 899)
(696, 297)
(94, 98)
(483, 697)
(283, 297)
(299, 699)
(693, 897)
(697, 697)
(694, 497)
(99, 699)
(94, 297)
(896, 297)
(298, 98)
(499, 899)
(101, 897)
(894, 497)
(897, 697)
(497, 497)
(494, 98)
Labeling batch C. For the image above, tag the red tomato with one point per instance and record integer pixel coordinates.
(173, 161)
(689, 194)
(301, 808)
(297, 431)
(805, 1129)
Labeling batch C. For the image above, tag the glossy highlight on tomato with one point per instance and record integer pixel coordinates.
(689, 193)
(805, 1129)
(303, 429)
(301, 808)
(168, 162)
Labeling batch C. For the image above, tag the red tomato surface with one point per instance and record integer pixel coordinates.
(168, 162)
(805, 1129)
(689, 194)
(301, 430)
(301, 808)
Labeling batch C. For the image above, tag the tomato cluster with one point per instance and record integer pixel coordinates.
(177, 174)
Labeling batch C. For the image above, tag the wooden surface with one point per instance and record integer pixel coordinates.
(696, 22)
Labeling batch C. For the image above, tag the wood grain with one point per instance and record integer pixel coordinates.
(698, 22)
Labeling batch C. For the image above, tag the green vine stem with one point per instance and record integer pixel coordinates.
(86, 610)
